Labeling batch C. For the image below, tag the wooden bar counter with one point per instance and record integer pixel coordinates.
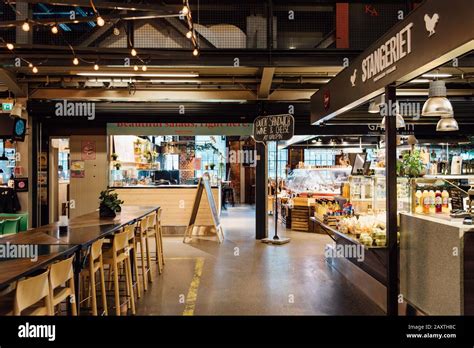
(176, 202)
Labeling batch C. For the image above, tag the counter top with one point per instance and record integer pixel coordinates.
(156, 187)
(443, 219)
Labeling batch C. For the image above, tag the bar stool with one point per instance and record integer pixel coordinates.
(143, 242)
(132, 245)
(116, 257)
(62, 273)
(29, 292)
(154, 231)
(96, 264)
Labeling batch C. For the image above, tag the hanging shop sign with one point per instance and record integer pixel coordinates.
(274, 128)
(183, 129)
(433, 34)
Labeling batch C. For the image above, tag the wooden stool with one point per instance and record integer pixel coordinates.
(96, 264)
(132, 245)
(62, 273)
(116, 257)
(154, 231)
(29, 292)
(143, 242)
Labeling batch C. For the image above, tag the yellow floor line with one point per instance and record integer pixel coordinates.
(193, 288)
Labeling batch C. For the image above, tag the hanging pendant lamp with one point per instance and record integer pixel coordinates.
(437, 103)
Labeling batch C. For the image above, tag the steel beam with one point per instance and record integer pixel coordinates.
(266, 83)
(9, 79)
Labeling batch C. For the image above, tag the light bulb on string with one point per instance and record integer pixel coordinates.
(185, 10)
(10, 46)
(75, 61)
(30, 65)
(189, 34)
(195, 52)
(116, 31)
(35, 70)
(133, 52)
(54, 29)
(26, 26)
(135, 68)
(96, 67)
(100, 21)
(144, 68)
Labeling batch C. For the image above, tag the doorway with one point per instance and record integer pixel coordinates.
(59, 178)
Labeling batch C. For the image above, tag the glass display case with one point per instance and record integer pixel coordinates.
(327, 181)
(368, 194)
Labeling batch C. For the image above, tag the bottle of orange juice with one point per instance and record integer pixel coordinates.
(445, 197)
(418, 202)
(426, 202)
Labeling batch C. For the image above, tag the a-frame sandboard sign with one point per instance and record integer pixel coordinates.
(204, 184)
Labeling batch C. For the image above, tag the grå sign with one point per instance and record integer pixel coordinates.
(274, 128)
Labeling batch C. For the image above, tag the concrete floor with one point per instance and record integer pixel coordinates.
(243, 276)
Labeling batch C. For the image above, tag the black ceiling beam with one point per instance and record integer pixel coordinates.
(113, 5)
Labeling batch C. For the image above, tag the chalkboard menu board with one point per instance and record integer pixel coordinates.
(457, 200)
(274, 128)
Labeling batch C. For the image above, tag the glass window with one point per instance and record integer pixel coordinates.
(319, 157)
(211, 150)
(282, 160)
(63, 165)
(171, 162)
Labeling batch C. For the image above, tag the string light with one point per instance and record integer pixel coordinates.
(26, 26)
(135, 68)
(195, 52)
(75, 61)
(133, 52)
(30, 65)
(116, 31)
(54, 29)
(35, 70)
(189, 34)
(100, 21)
(144, 68)
(185, 10)
(10, 46)
(96, 67)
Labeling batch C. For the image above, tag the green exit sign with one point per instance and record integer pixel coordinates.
(7, 106)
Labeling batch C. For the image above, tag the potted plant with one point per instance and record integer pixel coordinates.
(118, 166)
(411, 165)
(109, 203)
(212, 165)
(114, 156)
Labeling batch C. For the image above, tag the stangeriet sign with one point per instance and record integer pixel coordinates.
(433, 34)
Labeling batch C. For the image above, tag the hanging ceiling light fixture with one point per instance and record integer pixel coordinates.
(447, 124)
(437, 103)
(412, 140)
(374, 106)
(400, 122)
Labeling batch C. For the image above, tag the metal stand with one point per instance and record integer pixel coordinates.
(276, 239)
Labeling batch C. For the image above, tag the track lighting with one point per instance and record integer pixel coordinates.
(26, 26)
(54, 29)
(10, 46)
(100, 21)
(133, 52)
(75, 61)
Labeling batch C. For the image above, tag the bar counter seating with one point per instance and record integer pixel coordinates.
(68, 273)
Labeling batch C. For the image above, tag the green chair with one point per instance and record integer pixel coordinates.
(11, 226)
(2, 223)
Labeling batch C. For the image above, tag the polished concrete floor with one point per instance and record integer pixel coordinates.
(243, 276)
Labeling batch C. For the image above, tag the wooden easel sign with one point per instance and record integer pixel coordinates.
(204, 184)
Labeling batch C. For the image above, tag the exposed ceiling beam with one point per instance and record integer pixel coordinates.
(9, 79)
(105, 4)
(179, 26)
(266, 83)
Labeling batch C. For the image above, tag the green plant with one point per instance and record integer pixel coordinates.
(114, 156)
(411, 164)
(109, 201)
(212, 165)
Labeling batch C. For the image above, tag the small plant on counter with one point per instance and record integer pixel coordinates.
(411, 165)
(114, 156)
(118, 166)
(212, 165)
(109, 203)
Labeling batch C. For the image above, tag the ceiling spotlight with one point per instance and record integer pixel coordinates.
(26, 26)
(133, 52)
(185, 10)
(135, 68)
(189, 34)
(35, 70)
(54, 29)
(195, 52)
(96, 67)
(437, 103)
(100, 21)
(447, 124)
(10, 46)
(144, 68)
(75, 61)
(116, 31)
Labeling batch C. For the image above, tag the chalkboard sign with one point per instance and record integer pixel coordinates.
(204, 184)
(457, 200)
(274, 128)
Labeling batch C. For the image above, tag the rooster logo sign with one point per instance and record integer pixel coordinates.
(353, 78)
(430, 23)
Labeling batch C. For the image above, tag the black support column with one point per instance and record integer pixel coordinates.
(261, 192)
(391, 201)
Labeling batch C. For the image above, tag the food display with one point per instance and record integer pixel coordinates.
(320, 181)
